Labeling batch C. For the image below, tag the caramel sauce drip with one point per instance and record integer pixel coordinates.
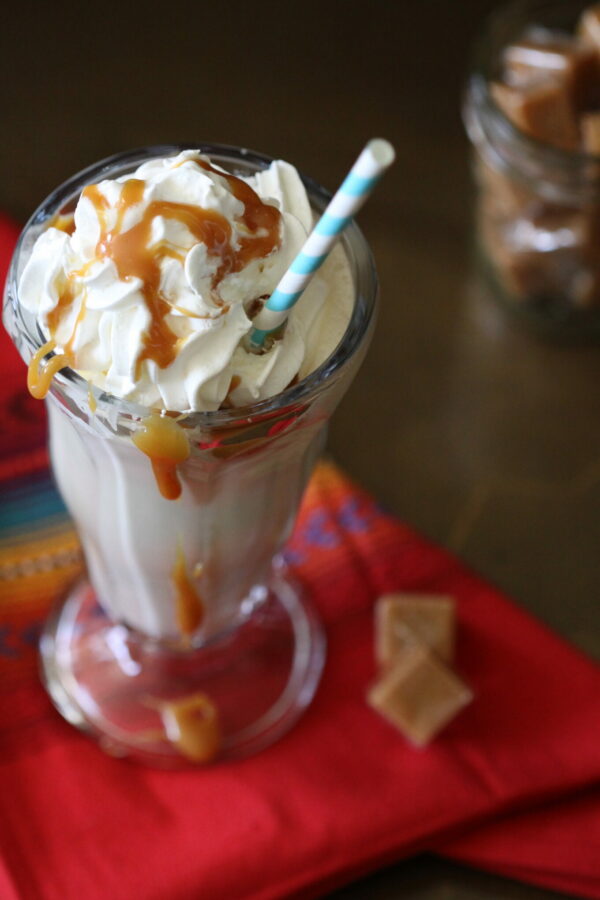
(63, 222)
(78, 320)
(40, 374)
(261, 221)
(192, 725)
(66, 297)
(99, 202)
(166, 444)
(189, 610)
(65, 300)
(91, 400)
(134, 258)
(256, 305)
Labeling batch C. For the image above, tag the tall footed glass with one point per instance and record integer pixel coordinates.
(187, 642)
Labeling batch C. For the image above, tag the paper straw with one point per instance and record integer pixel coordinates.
(376, 157)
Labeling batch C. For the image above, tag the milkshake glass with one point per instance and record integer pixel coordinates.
(186, 641)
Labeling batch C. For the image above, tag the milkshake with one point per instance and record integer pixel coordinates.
(182, 454)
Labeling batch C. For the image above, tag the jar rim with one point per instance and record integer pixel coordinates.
(25, 330)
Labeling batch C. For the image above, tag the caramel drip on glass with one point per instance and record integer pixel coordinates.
(166, 444)
(189, 610)
(40, 374)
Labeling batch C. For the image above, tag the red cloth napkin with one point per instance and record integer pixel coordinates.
(557, 846)
(342, 793)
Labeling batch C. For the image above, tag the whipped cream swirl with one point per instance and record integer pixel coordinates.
(151, 287)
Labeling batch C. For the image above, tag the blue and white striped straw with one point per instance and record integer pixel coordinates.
(376, 157)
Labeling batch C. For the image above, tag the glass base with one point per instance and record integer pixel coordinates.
(173, 706)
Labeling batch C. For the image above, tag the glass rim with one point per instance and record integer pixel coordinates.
(357, 251)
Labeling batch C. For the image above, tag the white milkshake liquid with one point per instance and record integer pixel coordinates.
(232, 517)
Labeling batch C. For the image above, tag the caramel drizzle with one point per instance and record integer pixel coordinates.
(166, 444)
(40, 374)
(259, 219)
(55, 315)
(78, 320)
(189, 609)
(134, 258)
(63, 222)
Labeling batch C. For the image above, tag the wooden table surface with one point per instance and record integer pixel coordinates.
(479, 435)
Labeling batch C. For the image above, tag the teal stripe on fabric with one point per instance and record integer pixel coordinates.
(305, 264)
(329, 225)
(21, 488)
(25, 485)
(22, 509)
(16, 516)
(355, 185)
(34, 530)
(29, 494)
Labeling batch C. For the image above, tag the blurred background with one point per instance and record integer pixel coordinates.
(479, 435)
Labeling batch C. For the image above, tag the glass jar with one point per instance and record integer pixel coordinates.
(187, 641)
(537, 205)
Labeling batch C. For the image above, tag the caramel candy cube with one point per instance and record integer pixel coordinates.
(419, 695)
(571, 63)
(590, 132)
(542, 110)
(584, 79)
(585, 292)
(589, 26)
(530, 275)
(507, 195)
(403, 620)
(542, 53)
